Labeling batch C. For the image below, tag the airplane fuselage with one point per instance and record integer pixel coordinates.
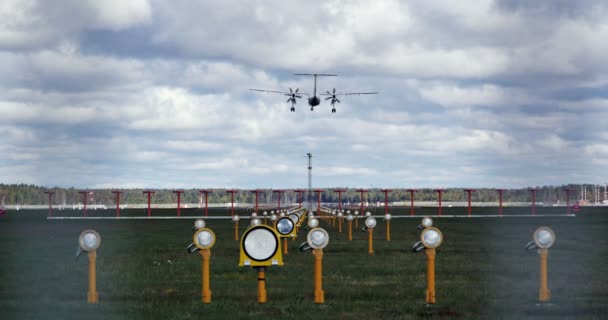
(314, 101)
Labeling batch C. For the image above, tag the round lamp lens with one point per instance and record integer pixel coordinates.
(350, 217)
(260, 244)
(256, 221)
(368, 214)
(317, 238)
(370, 222)
(205, 239)
(339, 214)
(235, 218)
(313, 223)
(253, 214)
(427, 222)
(544, 237)
(199, 223)
(356, 212)
(431, 237)
(285, 226)
(265, 213)
(388, 217)
(274, 217)
(89, 240)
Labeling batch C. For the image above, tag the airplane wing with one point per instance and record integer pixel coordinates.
(282, 92)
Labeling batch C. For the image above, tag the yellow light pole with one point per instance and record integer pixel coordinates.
(544, 238)
(261, 285)
(203, 241)
(388, 218)
(317, 239)
(236, 219)
(89, 241)
(356, 219)
(370, 223)
(430, 238)
(349, 220)
(339, 222)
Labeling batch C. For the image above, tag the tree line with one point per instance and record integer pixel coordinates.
(19, 194)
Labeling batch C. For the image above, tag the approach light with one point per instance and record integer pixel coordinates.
(544, 237)
(253, 214)
(204, 238)
(370, 222)
(265, 213)
(236, 218)
(285, 226)
(317, 238)
(356, 212)
(347, 211)
(339, 214)
(431, 237)
(260, 244)
(313, 223)
(198, 223)
(282, 214)
(368, 214)
(89, 240)
(350, 217)
(294, 218)
(387, 217)
(274, 217)
(426, 223)
(256, 221)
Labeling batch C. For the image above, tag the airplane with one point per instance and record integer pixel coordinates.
(313, 100)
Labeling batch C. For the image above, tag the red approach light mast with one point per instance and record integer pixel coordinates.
(468, 191)
(412, 191)
(206, 192)
(568, 190)
(84, 196)
(179, 207)
(318, 191)
(299, 192)
(149, 193)
(50, 193)
(256, 191)
(386, 191)
(117, 192)
(339, 191)
(500, 191)
(439, 192)
(279, 192)
(232, 192)
(533, 193)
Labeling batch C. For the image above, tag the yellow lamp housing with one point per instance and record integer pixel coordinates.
(286, 228)
(204, 238)
(89, 240)
(260, 247)
(431, 237)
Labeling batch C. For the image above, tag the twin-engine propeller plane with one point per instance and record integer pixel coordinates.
(313, 100)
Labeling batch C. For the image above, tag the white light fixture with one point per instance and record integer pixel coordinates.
(313, 223)
(317, 238)
(544, 237)
(427, 222)
(356, 212)
(294, 218)
(350, 217)
(431, 237)
(199, 223)
(388, 217)
(370, 222)
(265, 213)
(274, 217)
(368, 214)
(260, 244)
(253, 214)
(204, 238)
(236, 218)
(339, 214)
(256, 221)
(89, 240)
(285, 226)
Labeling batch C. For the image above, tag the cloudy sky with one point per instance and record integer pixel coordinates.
(137, 93)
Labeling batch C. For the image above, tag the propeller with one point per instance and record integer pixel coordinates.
(333, 97)
(292, 98)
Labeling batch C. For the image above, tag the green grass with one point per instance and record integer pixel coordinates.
(482, 270)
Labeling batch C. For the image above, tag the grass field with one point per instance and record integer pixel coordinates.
(144, 270)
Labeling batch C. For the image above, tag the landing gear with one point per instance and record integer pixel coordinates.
(333, 110)
(293, 109)
(312, 109)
